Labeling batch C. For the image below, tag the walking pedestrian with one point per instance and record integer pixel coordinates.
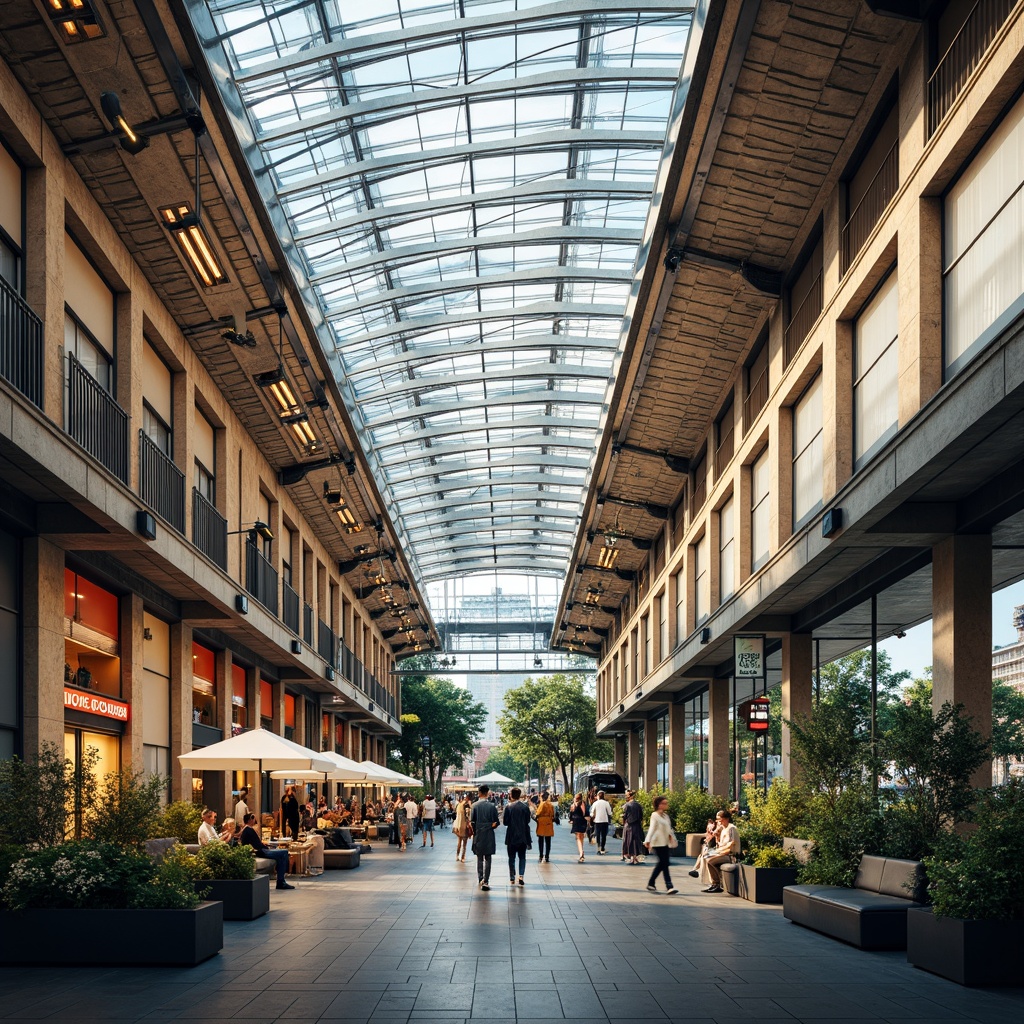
(632, 828)
(401, 819)
(579, 822)
(289, 812)
(660, 839)
(601, 816)
(517, 834)
(428, 810)
(461, 827)
(483, 820)
(545, 826)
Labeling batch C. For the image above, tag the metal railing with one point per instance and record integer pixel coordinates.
(363, 679)
(161, 483)
(307, 624)
(21, 345)
(290, 607)
(723, 453)
(327, 643)
(869, 210)
(209, 529)
(96, 421)
(803, 318)
(962, 56)
(260, 577)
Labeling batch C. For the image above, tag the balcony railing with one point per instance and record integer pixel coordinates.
(209, 530)
(21, 345)
(307, 624)
(290, 607)
(963, 55)
(161, 483)
(872, 205)
(96, 421)
(327, 643)
(803, 319)
(260, 577)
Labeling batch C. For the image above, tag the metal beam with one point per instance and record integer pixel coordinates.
(548, 509)
(507, 484)
(443, 451)
(540, 396)
(486, 525)
(491, 426)
(516, 462)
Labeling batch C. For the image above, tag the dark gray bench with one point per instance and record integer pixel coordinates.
(871, 915)
(345, 859)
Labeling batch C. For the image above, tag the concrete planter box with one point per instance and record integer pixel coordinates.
(967, 952)
(243, 899)
(764, 885)
(180, 938)
(692, 844)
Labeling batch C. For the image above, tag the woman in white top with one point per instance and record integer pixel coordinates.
(660, 838)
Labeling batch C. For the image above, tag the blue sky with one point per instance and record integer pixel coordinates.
(914, 651)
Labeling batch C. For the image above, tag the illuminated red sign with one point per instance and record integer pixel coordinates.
(96, 704)
(758, 714)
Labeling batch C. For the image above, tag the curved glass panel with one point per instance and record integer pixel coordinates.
(463, 185)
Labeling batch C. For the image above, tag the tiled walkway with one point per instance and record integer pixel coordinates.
(408, 937)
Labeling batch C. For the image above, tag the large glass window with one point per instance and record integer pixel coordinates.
(695, 729)
(89, 319)
(648, 642)
(807, 452)
(875, 372)
(681, 629)
(760, 511)
(158, 403)
(701, 580)
(726, 551)
(92, 654)
(205, 457)
(983, 249)
(661, 603)
(204, 686)
(11, 232)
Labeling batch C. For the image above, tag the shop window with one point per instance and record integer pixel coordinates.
(875, 372)
(239, 711)
(91, 636)
(289, 716)
(266, 705)
(83, 748)
(204, 686)
(983, 248)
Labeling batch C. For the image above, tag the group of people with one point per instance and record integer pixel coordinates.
(247, 835)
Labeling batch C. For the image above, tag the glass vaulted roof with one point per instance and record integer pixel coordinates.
(462, 186)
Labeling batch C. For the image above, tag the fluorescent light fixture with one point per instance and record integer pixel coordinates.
(191, 238)
(281, 390)
(131, 142)
(607, 557)
(76, 20)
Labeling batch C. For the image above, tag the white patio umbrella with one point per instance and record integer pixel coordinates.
(493, 779)
(388, 777)
(257, 750)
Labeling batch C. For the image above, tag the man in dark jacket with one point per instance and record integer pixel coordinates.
(484, 820)
(517, 834)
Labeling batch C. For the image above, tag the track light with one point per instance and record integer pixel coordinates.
(280, 389)
(188, 232)
(303, 431)
(76, 20)
(607, 557)
(131, 141)
(258, 529)
(333, 497)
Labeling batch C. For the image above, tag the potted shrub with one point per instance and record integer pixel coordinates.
(973, 933)
(228, 874)
(766, 868)
(694, 808)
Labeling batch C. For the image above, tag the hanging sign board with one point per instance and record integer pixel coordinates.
(748, 656)
(758, 715)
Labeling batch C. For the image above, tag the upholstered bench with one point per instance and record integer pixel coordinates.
(344, 859)
(871, 915)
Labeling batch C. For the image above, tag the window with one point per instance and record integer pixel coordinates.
(724, 434)
(726, 552)
(760, 510)
(807, 452)
(984, 244)
(757, 381)
(84, 347)
(805, 302)
(263, 515)
(11, 233)
(634, 656)
(875, 372)
(648, 642)
(681, 629)
(700, 484)
(661, 603)
(701, 581)
(286, 555)
(205, 458)
(156, 429)
(158, 403)
(89, 319)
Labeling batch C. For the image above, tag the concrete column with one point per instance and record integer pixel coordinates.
(634, 759)
(676, 747)
(132, 689)
(781, 464)
(718, 737)
(620, 755)
(962, 631)
(277, 724)
(797, 691)
(650, 754)
(128, 363)
(181, 708)
(43, 640)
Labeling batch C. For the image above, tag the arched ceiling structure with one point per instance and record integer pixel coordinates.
(461, 187)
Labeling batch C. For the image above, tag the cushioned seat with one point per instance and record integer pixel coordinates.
(341, 859)
(731, 878)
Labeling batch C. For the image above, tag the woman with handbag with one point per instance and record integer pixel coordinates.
(632, 829)
(545, 826)
(579, 821)
(461, 827)
(660, 839)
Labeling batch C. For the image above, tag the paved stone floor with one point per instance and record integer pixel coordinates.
(408, 937)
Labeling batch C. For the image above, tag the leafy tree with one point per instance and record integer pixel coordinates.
(501, 761)
(36, 798)
(847, 682)
(553, 720)
(126, 808)
(444, 713)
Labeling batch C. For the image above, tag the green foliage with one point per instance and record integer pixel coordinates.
(846, 683)
(979, 874)
(501, 761)
(35, 796)
(693, 808)
(125, 809)
(933, 757)
(99, 876)
(843, 829)
(772, 857)
(445, 713)
(780, 812)
(553, 720)
(181, 820)
(220, 861)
